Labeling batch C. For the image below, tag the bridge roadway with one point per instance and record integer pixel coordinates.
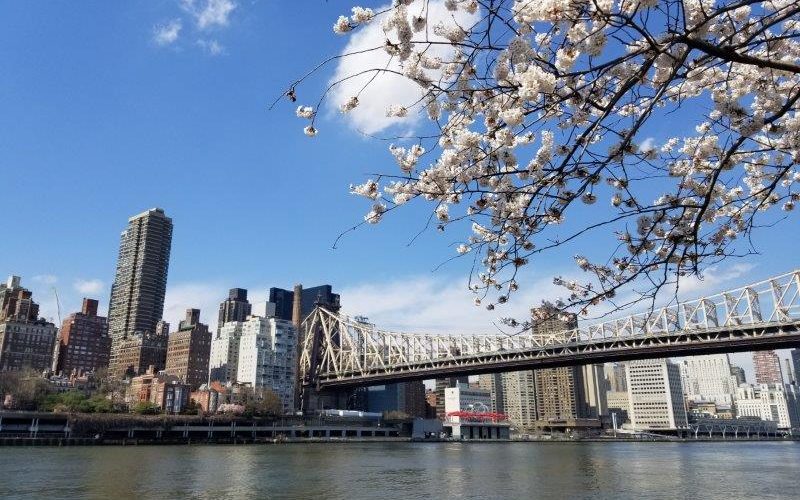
(339, 351)
(724, 339)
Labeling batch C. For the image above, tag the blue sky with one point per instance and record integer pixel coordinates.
(107, 110)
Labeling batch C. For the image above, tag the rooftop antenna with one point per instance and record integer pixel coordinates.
(58, 305)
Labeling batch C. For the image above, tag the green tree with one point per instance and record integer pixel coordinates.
(262, 402)
(146, 408)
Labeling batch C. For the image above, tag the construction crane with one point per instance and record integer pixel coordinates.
(58, 306)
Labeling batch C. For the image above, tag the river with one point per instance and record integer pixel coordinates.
(720, 470)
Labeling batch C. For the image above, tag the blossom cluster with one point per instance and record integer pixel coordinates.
(545, 107)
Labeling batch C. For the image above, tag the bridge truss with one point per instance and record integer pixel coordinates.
(339, 351)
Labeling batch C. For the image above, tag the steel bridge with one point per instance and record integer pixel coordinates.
(340, 352)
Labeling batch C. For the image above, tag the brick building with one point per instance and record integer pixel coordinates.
(188, 351)
(133, 355)
(83, 342)
(25, 339)
(165, 391)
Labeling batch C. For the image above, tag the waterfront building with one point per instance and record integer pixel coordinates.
(519, 390)
(439, 387)
(188, 351)
(83, 342)
(465, 398)
(774, 402)
(403, 397)
(708, 378)
(140, 281)
(26, 341)
(234, 308)
(738, 374)
(595, 388)
(267, 357)
(656, 395)
(767, 367)
(167, 392)
(137, 352)
(493, 382)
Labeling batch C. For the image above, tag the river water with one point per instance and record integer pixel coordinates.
(723, 470)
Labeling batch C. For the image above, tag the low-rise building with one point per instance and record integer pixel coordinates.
(774, 402)
(167, 392)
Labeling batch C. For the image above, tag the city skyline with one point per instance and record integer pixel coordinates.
(227, 139)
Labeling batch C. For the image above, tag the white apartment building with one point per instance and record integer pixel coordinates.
(773, 402)
(465, 398)
(708, 378)
(267, 356)
(519, 392)
(656, 396)
(224, 356)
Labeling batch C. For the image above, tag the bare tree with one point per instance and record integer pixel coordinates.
(540, 107)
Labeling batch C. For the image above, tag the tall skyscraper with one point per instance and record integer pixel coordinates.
(615, 377)
(656, 395)
(439, 388)
(519, 393)
(562, 398)
(795, 354)
(493, 382)
(767, 367)
(83, 342)
(234, 308)
(284, 300)
(137, 295)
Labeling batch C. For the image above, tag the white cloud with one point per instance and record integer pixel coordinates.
(167, 34)
(46, 279)
(209, 13)
(387, 89)
(88, 287)
(211, 47)
(438, 304)
(648, 144)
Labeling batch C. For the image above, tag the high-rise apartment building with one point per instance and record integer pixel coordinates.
(656, 396)
(267, 348)
(137, 353)
(519, 393)
(26, 341)
(188, 351)
(140, 282)
(708, 378)
(234, 308)
(224, 357)
(767, 367)
(83, 342)
(564, 396)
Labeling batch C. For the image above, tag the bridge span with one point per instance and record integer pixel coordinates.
(340, 352)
